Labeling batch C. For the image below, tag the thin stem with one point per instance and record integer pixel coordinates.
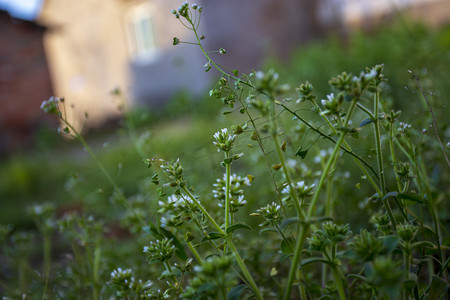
(244, 269)
(304, 229)
(195, 253)
(229, 241)
(376, 125)
(346, 150)
(204, 211)
(286, 172)
(338, 281)
(80, 138)
(433, 117)
(227, 191)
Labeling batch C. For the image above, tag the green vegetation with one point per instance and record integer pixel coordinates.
(281, 195)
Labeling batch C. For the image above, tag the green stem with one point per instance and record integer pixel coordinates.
(227, 191)
(195, 253)
(338, 281)
(204, 211)
(349, 150)
(229, 242)
(394, 157)
(96, 270)
(346, 150)
(47, 255)
(80, 138)
(286, 172)
(304, 229)
(244, 269)
(47, 261)
(376, 125)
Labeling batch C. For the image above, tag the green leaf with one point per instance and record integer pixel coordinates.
(365, 122)
(314, 260)
(268, 229)
(254, 136)
(437, 288)
(284, 257)
(287, 245)
(412, 197)
(423, 243)
(235, 72)
(289, 222)
(235, 292)
(301, 153)
(390, 242)
(212, 236)
(238, 226)
(227, 112)
(227, 161)
(165, 274)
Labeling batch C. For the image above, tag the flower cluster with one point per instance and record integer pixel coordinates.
(50, 106)
(174, 172)
(331, 233)
(332, 104)
(175, 210)
(301, 189)
(366, 246)
(214, 274)
(224, 141)
(270, 212)
(183, 10)
(236, 193)
(352, 87)
(268, 82)
(404, 128)
(382, 223)
(159, 251)
(406, 231)
(305, 91)
(121, 280)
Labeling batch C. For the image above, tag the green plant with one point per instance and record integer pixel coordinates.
(291, 171)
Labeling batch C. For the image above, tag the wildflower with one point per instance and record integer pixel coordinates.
(224, 140)
(404, 128)
(159, 251)
(50, 106)
(236, 192)
(305, 90)
(382, 223)
(121, 280)
(174, 172)
(270, 212)
(332, 104)
(366, 246)
(317, 242)
(334, 232)
(300, 188)
(406, 231)
(172, 204)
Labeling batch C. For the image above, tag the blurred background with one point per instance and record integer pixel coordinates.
(110, 58)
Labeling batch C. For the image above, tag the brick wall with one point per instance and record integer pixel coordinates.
(24, 82)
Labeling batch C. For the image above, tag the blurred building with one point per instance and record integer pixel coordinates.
(24, 80)
(83, 49)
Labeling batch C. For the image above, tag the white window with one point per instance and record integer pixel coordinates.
(141, 34)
